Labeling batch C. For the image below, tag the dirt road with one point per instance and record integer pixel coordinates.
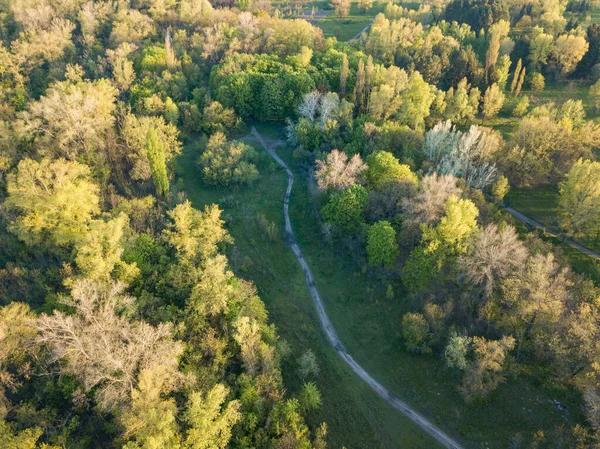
(332, 336)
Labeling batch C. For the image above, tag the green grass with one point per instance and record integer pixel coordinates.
(346, 28)
(368, 324)
(356, 417)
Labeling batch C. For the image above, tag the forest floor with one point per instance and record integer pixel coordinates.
(367, 321)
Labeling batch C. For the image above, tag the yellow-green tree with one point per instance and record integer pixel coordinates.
(382, 247)
(579, 199)
(158, 163)
(54, 201)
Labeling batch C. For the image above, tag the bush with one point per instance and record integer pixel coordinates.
(224, 163)
(307, 365)
(415, 331)
(520, 107)
(537, 82)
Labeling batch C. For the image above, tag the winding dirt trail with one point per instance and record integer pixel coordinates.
(332, 336)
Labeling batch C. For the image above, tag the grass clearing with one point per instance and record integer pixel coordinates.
(368, 324)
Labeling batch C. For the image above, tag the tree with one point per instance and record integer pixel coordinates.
(212, 294)
(429, 203)
(310, 397)
(595, 93)
(17, 333)
(440, 245)
(359, 88)
(54, 201)
(537, 82)
(73, 118)
(224, 163)
(456, 226)
(415, 331)
(516, 75)
(100, 250)
(567, 51)
(492, 101)
(536, 296)
(346, 209)
(457, 350)
(135, 136)
(151, 421)
(539, 49)
(579, 199)
(216, 118)
(365, 5)
(484, 373)
(102, 348)
(343, 75)
(337, 172)
(196, 234)
(382, 248)
(521, 106)
(122, 68)
(465, 155)
(157, 160)
(416, 102)
(500, 188)
(384, 168)
(493, 254)
(210, 419)
(307, 365)
(341, 7)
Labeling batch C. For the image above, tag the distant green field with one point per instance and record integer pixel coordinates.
(368, 324)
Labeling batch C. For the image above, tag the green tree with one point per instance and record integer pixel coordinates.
(309, 397)
(492, 101)
(210, 419)
(54, 201)
(135, 135)
(382, 247)
(595, 93)
(416, 102)
(537, 82)
(343, 75)
(346, 209)
(100, 250)
(440, 245)
(225, 163)
(151, 421)
(415, 331)
(158, 163)
(579, 199)
(500, 188)
(384, 168)
(455, 227)
(196, 234)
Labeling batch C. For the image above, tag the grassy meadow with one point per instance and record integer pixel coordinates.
(368, 322)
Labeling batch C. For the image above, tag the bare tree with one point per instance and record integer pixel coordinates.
(101, 347)
(309, 105)
(337, 171)
(464, 155)
(493, 254)
(429, 204)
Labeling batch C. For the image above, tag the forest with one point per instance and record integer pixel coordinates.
(441, 161)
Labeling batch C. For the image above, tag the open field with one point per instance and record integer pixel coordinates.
(368, 324)
(333, 26)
